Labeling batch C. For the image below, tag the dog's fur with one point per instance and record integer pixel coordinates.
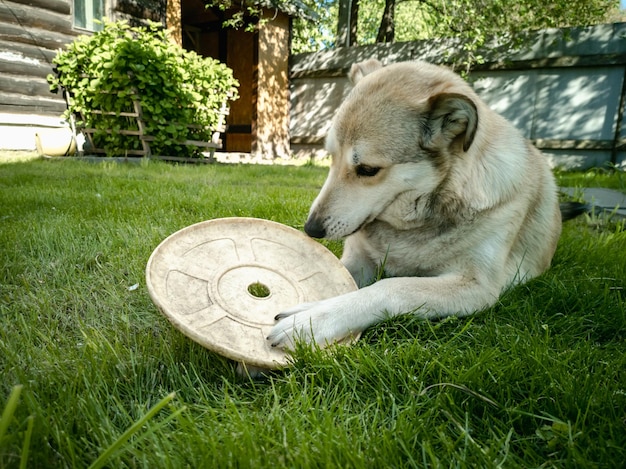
(435, 188)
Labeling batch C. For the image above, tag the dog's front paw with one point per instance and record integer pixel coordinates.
(322, 322)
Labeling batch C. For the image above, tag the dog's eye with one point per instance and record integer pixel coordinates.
(366, 171)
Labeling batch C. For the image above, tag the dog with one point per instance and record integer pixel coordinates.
(430, 186)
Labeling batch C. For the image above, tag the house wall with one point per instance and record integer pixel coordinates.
(258, 123)
(565, 90)
(31, 32)
(272, 123)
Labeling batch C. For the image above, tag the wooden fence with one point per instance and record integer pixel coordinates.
(565, 90)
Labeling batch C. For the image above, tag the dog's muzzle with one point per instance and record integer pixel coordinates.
(315, 228)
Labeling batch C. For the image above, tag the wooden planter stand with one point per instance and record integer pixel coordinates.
(145, 139)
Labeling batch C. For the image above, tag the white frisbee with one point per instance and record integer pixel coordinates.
(221, 283)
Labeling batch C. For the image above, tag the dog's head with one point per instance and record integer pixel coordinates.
(393, 140)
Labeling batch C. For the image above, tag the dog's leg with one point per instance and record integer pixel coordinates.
(327, 321)
(358, 263)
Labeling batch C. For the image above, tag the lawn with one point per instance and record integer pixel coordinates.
(92, 373)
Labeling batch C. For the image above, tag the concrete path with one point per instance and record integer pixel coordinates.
(603, 200)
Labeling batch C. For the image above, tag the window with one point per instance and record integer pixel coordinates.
(86, 11)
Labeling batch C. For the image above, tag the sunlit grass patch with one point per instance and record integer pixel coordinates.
(535, 381)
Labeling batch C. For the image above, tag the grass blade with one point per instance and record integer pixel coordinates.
(134, 428)
(26, 445)
(9, 409)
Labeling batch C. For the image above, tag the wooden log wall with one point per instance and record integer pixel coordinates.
(31, 32)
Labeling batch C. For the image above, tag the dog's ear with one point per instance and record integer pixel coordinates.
(359, 70)
(453, 120)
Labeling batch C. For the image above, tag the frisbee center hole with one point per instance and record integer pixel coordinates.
(258, 290)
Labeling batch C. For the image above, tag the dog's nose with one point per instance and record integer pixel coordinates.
(314, 228)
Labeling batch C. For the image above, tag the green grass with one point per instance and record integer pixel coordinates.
(89, 366)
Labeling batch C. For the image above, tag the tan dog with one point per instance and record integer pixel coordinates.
(435, 188)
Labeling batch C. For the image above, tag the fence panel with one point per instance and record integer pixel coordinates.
(565, 90)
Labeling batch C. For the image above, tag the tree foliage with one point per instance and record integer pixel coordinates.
(249, 14)
(310, 36)
(471, 20)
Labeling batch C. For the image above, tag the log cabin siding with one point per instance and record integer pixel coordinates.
(57, 6)
(31, 33)
(33, 17)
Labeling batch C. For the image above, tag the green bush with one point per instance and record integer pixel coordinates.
(180, 92)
